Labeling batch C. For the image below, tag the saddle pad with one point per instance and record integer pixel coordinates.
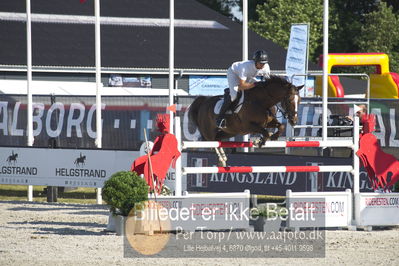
(219, 104)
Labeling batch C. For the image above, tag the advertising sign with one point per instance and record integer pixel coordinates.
(377, 208)
(222, 210)
(326, 209)
(207, 85)
(61, 167)
(124, 81)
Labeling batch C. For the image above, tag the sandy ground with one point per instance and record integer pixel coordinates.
(72, 234)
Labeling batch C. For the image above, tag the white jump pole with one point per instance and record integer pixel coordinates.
(245, 43)
(356, 169)
(171, 59)
(29, 112)
(178, 172)
(267, 169)
(325, 69)
(269, 144)
(98, 84)
(356, 165)
(245, 30)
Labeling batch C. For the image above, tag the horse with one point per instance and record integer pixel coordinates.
(80, 161)
(12, 158)
(257, 114)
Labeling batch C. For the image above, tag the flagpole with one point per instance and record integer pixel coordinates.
(29, 113)
(171, 59)
(98, 83)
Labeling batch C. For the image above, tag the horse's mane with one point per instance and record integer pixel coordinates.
(274, 79)
(271, 83)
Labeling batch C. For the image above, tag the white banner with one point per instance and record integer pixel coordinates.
(214, 211)
(377, 208)
(61, 167)
(297, 53)
(321, 209)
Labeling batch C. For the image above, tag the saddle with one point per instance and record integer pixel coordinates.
(235, 106)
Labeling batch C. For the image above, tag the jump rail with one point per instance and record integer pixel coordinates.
(268, 144)
(353, 144)
(267, 169)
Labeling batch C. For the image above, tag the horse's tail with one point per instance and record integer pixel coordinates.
(194, 109)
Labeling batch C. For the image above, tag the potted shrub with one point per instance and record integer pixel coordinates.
(122, 191)
(265, 221)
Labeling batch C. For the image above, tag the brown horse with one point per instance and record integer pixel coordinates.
(257, 113)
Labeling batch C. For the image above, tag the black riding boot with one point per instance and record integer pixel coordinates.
(220, 121)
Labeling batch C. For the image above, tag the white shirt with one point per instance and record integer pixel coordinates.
(246, 70)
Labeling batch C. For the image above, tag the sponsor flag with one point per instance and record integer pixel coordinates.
(297, 54)
(171, 108)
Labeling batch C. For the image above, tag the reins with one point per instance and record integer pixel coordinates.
(282, 111)
(279, 107)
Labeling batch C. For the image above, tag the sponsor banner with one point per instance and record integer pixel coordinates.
(125, 81)
(71, 121)
(61, 167)
(207, 85)
(326, 209)
(377, 208)
(271, 183)
(218, 211)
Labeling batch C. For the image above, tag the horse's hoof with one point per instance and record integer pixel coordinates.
(274, 138)
(222, 164)
(259, 142)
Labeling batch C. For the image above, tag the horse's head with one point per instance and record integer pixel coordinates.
(277, 89)
(291, 102)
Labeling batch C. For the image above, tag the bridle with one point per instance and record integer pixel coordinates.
(282, 111)
(285, 102)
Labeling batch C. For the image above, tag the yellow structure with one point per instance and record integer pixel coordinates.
(383, 84)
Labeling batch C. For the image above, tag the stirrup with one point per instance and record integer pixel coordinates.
(222, 124)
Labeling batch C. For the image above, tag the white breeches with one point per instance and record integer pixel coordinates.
(233, 81)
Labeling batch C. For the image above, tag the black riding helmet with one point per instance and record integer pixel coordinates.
(260, 57)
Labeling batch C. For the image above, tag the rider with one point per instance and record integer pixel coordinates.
(241, 76)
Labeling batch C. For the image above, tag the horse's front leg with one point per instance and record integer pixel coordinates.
(256, 128)
(280, 128)
(223, 154)
(222, 158)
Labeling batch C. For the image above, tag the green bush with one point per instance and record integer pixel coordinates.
(396, 187)
(275, 211)
(123, 190)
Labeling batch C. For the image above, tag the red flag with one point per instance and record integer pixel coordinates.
(82, 1)
(172, 108)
